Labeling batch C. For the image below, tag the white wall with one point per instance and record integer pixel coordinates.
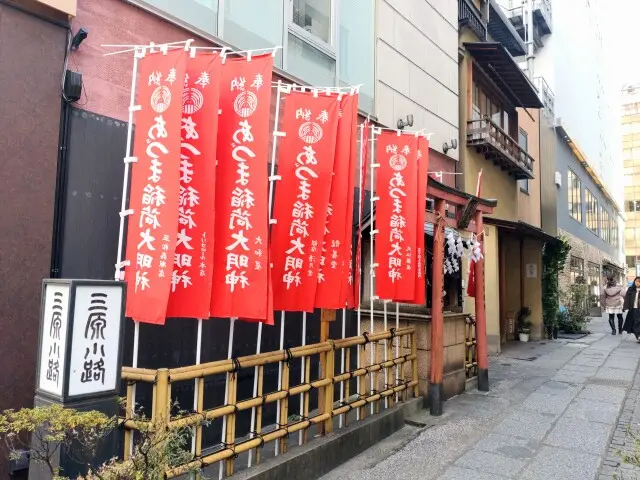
(574, 64)
(417, 66)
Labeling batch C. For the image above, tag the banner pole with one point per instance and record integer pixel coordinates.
(119, 274)
(196, 388)
(358, 269)
(272, 179)
(232, 324)
(303, 371)
(372, 265)
(344, 332)
(386, 353)
(282, 320)
(398, 347)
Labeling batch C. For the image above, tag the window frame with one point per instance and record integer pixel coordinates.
(524, 183)
(576, 270)
(329, 49)
(571, 179)
(591, 206)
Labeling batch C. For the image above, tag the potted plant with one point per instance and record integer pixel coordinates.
(524, 324)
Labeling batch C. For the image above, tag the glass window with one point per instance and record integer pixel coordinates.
(523, 141)
(356, 40)
(574, 189)
(314, 17)
(631, 261)
(201, 14)
(308, 63)
(262, 28)
(576, 269)
(593, 280)
(591, 205)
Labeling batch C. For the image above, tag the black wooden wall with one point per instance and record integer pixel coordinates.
(88, 249)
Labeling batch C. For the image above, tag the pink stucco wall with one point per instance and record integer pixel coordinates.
(107, 80)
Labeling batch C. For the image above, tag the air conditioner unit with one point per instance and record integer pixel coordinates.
(558, 180)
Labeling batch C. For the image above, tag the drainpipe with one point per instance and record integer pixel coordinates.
(529, 37)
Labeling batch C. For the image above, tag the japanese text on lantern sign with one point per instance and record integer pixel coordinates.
(398, 257)
(242, 198)
(94, 357)
(189, 198)
(53, 365)
(302, 213)
(153, 195)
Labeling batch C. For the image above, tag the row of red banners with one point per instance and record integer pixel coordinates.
(199, 242)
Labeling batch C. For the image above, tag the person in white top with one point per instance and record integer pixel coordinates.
(612, 300)
(632, 322)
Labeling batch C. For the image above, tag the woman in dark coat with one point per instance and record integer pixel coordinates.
(632, 306)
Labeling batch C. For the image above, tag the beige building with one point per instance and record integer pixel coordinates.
(500, 129)
(631, 159)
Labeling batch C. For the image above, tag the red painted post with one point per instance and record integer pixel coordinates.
(481, 313)
(437, 319)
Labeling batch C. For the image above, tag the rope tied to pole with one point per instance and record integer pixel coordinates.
(365, 335)
(288, 356)
(236, 365)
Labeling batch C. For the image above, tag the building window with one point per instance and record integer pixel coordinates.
(631, 262)
(325, 42)
(591, 205)
(574, 188)
(614, 232)
(576, 269)
(593, 280)
(605, 224)
(523, 141)
(632, 206)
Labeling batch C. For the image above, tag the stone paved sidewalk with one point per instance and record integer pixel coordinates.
(556, 410)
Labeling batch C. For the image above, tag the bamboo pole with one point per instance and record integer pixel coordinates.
(258, 424)
(283, 419)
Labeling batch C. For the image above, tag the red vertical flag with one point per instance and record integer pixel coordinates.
(193, 260)
(364, 152)
(241, 268)
(310, 121)
(155, 183)
(396, 216)
(335, 262)
(419, 296)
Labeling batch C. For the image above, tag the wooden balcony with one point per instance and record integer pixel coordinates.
(469, 16)
(496, 145)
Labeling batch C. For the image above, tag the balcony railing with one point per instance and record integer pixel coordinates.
(546, 96)
(543, 15)
(469, 16)
(496, 145)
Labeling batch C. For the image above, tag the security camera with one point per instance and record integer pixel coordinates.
(78, 38)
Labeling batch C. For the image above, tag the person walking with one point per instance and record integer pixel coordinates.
(632, 322)
(612, 299)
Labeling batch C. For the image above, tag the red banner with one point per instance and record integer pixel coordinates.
(396, 216)
(334, 269)
(241, 260)
(192, 272)
(306, 160)
(154, 194)
(364, 149)
(420, 295)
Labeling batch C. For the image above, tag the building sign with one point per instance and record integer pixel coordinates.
(94, 361)
(532, 270)
(81, 329)
(54, 329)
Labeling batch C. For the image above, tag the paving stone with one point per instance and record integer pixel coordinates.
(603, 393)
(553, 463)
(622, 361)
(491, 463)
(457, 473)
(590, 437)
(615, 374)
(526, 424)
(592, 411)
(508, 445)
(541, 401)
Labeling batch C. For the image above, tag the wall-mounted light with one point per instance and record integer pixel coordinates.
(446, 147)
(405, 123)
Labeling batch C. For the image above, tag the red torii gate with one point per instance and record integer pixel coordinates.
(468, 216)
